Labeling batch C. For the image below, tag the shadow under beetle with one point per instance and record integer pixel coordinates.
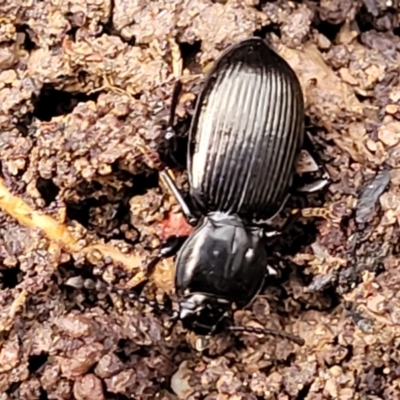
(244, 142)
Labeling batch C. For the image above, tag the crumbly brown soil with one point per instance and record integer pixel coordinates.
(85, 91)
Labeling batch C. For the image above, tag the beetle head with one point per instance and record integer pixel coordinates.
(220, 267)
(204, 314)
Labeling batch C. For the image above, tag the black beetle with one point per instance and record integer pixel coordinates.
(244, 142)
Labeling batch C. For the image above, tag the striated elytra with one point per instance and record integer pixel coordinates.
(244, 142)
(246, 133)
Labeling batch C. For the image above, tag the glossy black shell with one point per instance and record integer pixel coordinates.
(246, 133)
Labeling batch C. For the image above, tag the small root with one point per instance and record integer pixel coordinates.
(61, 236)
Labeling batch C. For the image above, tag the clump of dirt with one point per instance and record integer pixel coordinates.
(85, 94)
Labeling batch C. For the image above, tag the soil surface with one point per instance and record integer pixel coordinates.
(85, 95)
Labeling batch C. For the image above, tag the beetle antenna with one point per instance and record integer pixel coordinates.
(154, 304)
(266, 331)
(168, 248)
(134, 297)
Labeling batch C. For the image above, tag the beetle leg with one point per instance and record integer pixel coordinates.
(271, 234)
(177, 68)
(271, 271)
(169, 133)
(325, 178)
(313, 187)
(310, 147)
(174, 104)
(169, 182)
(291, 220)
(171, 246)
(269, 221)
(168, 248)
